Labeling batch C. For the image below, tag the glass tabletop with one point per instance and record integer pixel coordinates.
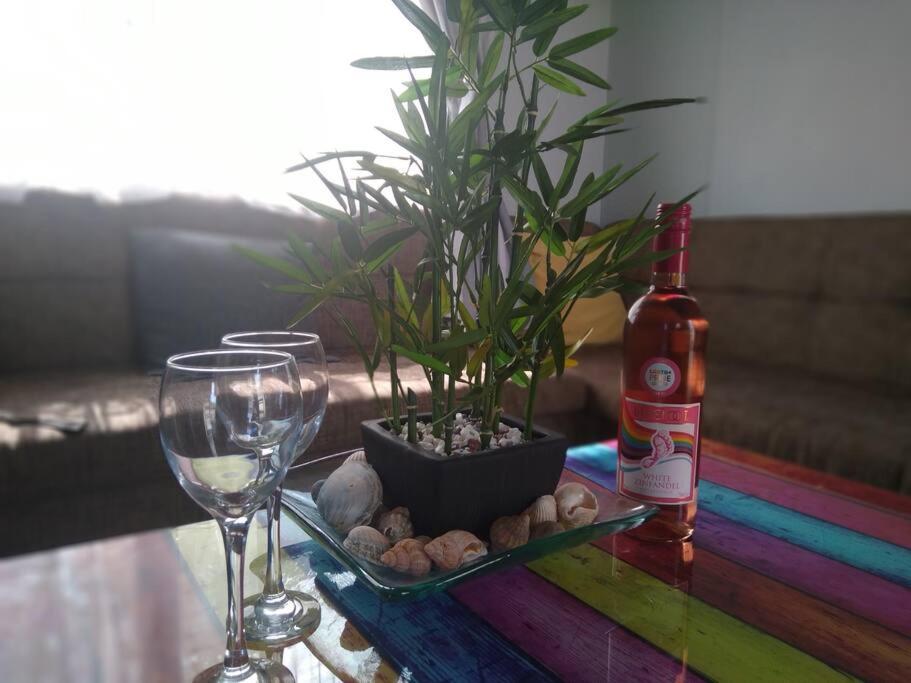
(793, 575)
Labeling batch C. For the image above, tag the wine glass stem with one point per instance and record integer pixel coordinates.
(273, 585)
(234, 533)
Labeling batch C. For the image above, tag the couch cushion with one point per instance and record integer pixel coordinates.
(823, 295)
(856, 431)
(190, 288)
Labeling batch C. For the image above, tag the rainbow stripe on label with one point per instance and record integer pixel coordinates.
(635, 439)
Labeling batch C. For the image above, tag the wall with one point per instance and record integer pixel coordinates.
(808, 111)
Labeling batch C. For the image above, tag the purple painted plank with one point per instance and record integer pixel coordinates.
(840, 584)
(562, 633)
(892, 527)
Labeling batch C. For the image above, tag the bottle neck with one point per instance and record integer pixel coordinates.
(670, 272)
(669, 280)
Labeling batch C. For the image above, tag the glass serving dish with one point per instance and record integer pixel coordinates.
(615, 514)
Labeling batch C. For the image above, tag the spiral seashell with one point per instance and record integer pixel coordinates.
(423, 539)
(407, 556)
(357, 456)
(507, 533)
(544, 509)
(576, 505)
(455, 548)
(546, 529)
(350, 496)
(395, 524)
(366, 542)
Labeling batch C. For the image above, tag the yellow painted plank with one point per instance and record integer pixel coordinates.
(712, 642)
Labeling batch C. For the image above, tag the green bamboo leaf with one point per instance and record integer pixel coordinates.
(379, 251)
(491, 59)
(500, 12)
(521, 378)
(407, 144)
(581, 134)
(457, 341)
(378, 224)
(307, 163)
(568, 176)
(423, 359)
(432, 33)
(274, 263)
(328, 212)
(579, 43)
(558, 81)
(391, 176)
(405, 303)
(467, 319)
(305, 252)
(550, 22)
(558, 345)
(543, 178)
(529, 199)
(579, 72)
(393, 63)
(535, 11)
(591, 193)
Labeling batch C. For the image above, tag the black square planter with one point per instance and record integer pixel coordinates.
(463, 491)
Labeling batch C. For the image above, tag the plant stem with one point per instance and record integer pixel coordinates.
(396, 424)
(412, 410)
(530, 400)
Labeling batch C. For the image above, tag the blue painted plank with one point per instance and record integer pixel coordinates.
(433, 639)
(598, 462)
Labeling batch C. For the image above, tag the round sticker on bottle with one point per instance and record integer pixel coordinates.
(661, 376)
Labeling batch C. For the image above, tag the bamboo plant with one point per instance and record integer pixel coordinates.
(471, 322)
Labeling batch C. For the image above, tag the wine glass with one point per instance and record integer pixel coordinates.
(276, 615)
(230, 422)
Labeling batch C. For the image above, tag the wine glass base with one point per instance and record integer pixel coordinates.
(270, 624)
(259, 671)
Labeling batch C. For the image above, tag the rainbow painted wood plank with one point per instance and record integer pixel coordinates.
(783, 582)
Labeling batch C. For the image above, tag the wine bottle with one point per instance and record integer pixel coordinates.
(662, 386)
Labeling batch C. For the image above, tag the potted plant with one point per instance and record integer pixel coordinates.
(471, 321)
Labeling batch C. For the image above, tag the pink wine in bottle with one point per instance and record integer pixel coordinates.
(662, 386)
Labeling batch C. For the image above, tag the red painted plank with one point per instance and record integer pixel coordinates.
(827, 632)
(883, 498)
(570, 638)
(846, 512)
(853, 590)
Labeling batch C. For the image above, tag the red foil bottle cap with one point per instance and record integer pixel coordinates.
(675, 235)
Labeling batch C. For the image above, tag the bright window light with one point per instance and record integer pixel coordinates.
(138, 98)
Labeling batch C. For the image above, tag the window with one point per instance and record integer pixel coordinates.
(127, 98)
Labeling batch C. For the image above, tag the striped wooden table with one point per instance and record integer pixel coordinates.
(793, 575)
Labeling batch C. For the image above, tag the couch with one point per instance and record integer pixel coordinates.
(809, 358)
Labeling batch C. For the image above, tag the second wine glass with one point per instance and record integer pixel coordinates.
(278, 616)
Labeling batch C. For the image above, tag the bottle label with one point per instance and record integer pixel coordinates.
(657, 451)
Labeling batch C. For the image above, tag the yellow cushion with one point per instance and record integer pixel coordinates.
(604, 315)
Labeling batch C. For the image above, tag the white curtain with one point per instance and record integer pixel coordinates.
(214, 97)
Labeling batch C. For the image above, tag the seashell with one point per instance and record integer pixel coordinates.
(350, 496)
(315, 489)
(423, 539)
(407, 556)
(576, 505)
(546, 529)
(544, 509)
(366, 542)
(507, 533)
(455, 548)
(357, 456)
(395, 524)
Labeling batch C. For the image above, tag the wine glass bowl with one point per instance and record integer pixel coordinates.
(230, 421)
(278, 616)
